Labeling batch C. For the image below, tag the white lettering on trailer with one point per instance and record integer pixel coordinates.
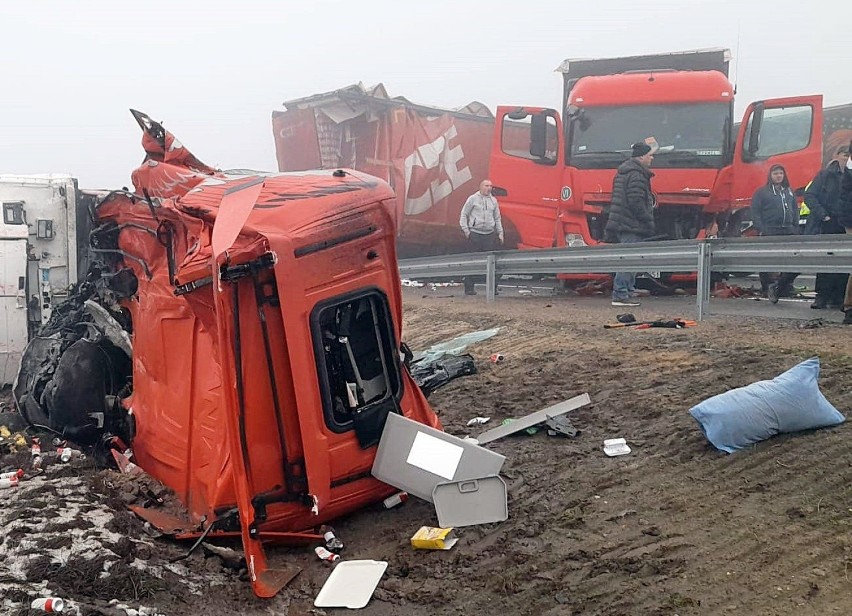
(444, 160)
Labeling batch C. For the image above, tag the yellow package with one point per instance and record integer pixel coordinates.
(430, 538)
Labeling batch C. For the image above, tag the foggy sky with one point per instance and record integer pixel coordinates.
(213, 72)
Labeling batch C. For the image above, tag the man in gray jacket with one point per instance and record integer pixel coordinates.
(481, 224)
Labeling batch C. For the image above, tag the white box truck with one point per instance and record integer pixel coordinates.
(38, 256)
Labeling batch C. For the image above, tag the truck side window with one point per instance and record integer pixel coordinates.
(13, 213)
(783, 130)
(356, 357)
(517, 137)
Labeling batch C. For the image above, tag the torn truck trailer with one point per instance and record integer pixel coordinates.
(266, 316)
(433, 158)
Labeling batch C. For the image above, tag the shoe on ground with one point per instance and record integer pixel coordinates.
(625, 302)
(470, 291)
(847, 320)
(819, 303)
(772, 293)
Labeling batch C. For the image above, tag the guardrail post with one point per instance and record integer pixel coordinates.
(702, 291)
(490, 276)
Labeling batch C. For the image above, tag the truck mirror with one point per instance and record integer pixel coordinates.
(538, 136)
(517, 114)
(499, 191)
(574, 112)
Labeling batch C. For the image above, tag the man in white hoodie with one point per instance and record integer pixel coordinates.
(481, 224)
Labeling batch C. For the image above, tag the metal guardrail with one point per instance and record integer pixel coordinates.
(803, 254)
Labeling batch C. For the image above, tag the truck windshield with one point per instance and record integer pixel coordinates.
(689, 135)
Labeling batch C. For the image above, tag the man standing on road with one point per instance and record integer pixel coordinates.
(482, 226)
(631, 214)
(823, 198)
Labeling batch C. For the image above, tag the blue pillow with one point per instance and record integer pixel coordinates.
(790, 402)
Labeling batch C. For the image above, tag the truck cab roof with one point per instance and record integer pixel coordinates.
(652, 88)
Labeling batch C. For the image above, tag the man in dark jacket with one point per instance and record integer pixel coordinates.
(823, 199)
(631, 214)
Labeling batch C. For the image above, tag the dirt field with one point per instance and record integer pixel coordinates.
(676, 527)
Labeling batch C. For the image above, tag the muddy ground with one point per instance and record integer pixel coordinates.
(676, 527)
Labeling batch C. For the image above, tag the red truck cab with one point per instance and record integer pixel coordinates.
(553, 170)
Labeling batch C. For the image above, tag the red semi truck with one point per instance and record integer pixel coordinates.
(556, 166)
(558, 187)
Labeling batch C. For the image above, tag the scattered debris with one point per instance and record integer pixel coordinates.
(415, 458)
(13, 474)
(671, 324)
(332, 541)
(140, 611)
(534, 419)
(66, 454)
(48, 604)
(472, 501)
(478, 421)
(351, 584)
(326, 554)
(432, 374)
(394, 501)
(615, 447)
(11, 442)
(496, 358)
(723, 290)
(231, 559)
(532, 430)
(561, 426)
(431, 538)
(667, 324)
(811, 324)
(456, 346)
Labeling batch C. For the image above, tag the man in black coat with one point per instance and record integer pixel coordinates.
(823, 199)
(631, 214)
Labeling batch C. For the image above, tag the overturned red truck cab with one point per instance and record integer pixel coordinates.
(266, 353)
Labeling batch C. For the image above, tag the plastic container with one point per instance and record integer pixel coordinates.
(394, 501)
(332, 542)
(48, 604)
(13, 475)
(66, 454)
(324, 554)
(9, 483)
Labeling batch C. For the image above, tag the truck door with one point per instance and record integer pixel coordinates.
(785, 131)
(13, 300)
(526, 170)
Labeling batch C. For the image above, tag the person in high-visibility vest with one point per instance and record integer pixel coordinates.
(804, 210)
